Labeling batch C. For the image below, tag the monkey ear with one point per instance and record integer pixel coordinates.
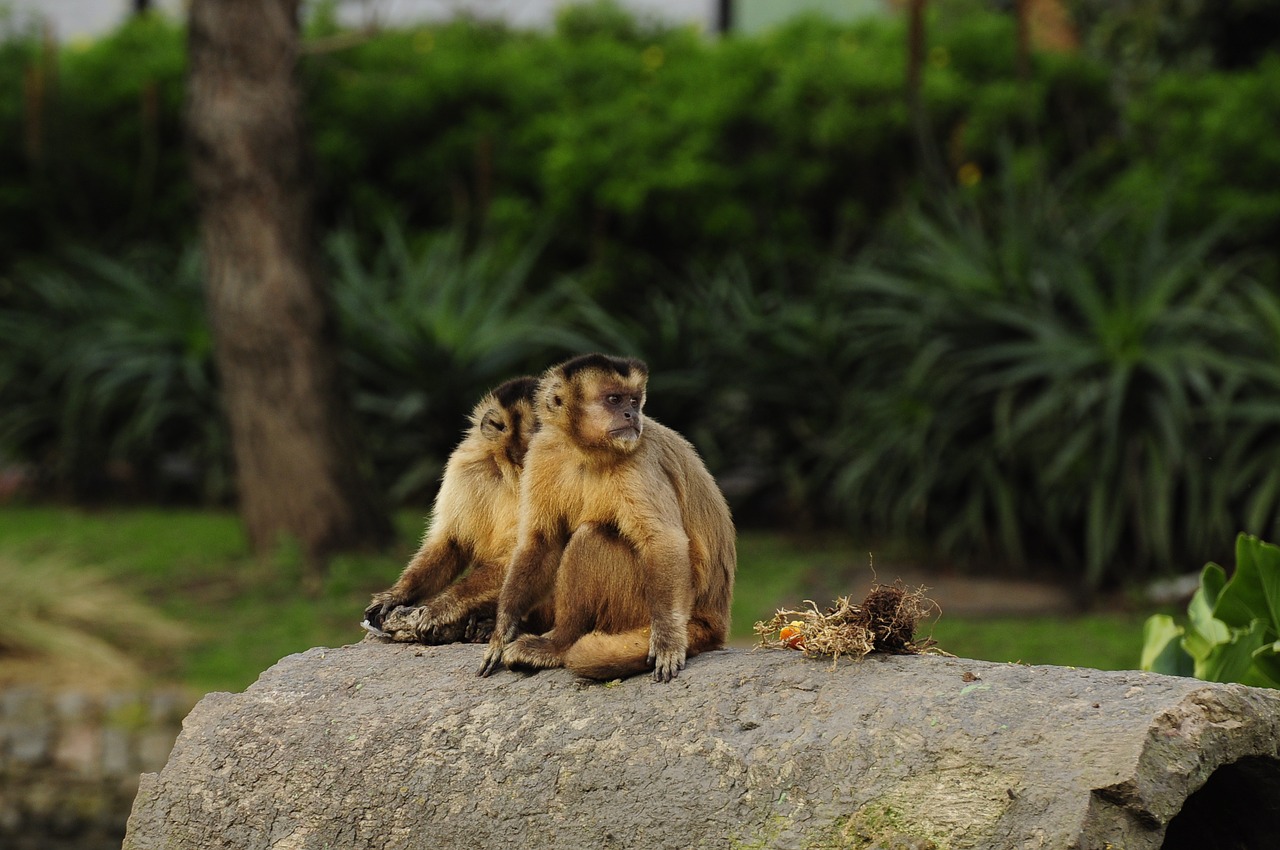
(491, 425)
(550, 393)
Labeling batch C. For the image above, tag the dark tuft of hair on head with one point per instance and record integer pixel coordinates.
(623, 366)
(515, 390)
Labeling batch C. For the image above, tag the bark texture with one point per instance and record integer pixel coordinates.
(399, 746)
(297, 462)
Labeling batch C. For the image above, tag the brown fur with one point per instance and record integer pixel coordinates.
(622, 527)
(473, 524)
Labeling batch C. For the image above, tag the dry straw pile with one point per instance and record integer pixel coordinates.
(885, 621)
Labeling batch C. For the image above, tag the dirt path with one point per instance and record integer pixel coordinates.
(958, 595)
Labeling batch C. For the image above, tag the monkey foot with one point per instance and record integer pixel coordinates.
(417, 625)
(478, 629)
(532, 652)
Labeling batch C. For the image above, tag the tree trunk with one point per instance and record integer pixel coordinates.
(915, 51)
(1022, 11)
(724, 16)
(297, 462)
(931, 165)
(402, 746)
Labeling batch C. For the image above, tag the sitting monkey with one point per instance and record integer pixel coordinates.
(473, 524)
(621, 527)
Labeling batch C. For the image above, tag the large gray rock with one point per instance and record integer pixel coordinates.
(401, 746)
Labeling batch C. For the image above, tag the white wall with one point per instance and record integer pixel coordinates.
(73, 19)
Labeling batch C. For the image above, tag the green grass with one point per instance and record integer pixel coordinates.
(776, 571)
(1108, 641)
(195, 565)
(246, 614)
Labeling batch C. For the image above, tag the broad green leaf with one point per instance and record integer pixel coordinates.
(1267, 556)
(1162, 652)
(1212, 579)
(1204, 631)
(1230, 661)
(1254, 590)
(1266, 662)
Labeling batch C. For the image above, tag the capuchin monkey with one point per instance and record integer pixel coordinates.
(473, 524)
(621, 527)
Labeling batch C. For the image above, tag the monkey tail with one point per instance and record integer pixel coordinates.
(601, 656)
(597, 655)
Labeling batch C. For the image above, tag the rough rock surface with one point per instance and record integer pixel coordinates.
(401, 746)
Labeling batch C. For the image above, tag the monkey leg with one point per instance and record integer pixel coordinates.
(525, 587)
(706, 633)
(602, 656)
(534, 652)
(619, 594)
(601, 596)
(594, 579)
(479, 627)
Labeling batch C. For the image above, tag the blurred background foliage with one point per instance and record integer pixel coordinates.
(1039, 329)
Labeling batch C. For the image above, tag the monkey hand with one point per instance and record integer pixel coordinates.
(492, 656)
(504, 631)
(442, 620)
(667, 660)
(383, 604)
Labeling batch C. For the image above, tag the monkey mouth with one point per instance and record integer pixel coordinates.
(626, 434)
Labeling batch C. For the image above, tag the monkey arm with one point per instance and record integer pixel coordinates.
(529, 579)
(664, 558)
(471, 594)
(438, 562)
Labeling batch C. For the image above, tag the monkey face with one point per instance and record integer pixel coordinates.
(607, 415)
(597, 401)
(615, 415)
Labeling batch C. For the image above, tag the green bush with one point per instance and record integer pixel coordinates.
(91, 140)
(650, 148)
(107, 380)
(653, 148)
(757, 370)
(1019, 381)
(106, 377)
(1210, 138)
(23, 67)
(1087, 383)
(1062, 387)
(1142, 38)
(427, 328)
(1233, 627)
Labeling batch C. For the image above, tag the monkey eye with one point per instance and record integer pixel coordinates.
(614, 399)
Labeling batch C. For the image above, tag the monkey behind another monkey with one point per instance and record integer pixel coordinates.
(473, 524)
